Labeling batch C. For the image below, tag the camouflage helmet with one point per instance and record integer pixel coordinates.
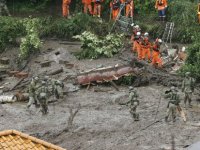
(130, 88)
(172, 88)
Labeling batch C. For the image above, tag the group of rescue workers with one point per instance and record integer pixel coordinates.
(173, 105)
(40, 91)
(94, 7)
(144, 48)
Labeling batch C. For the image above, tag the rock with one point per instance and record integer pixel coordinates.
(71, 87)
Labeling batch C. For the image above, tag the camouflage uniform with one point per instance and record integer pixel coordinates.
(4, 8)
(57, 88)
(133, 103)
(173, 104)
(188, 88)
(34, 85)
(49, 85)
(42, 95)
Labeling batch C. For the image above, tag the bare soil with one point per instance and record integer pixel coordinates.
(101, 123)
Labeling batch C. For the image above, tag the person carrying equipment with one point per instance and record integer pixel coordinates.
(42, 97)
(173, 104)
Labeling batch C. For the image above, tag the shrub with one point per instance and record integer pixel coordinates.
(10, 29)
(31, 42)
(94, 46)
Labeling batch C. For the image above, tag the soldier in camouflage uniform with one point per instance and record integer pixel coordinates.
(57, 88)
(34, 85)
(4, 8)
(173, 103)
(42, 95)
(188, 88)
(48, 84)
(133, 103)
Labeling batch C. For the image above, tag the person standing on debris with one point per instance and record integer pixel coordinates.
(87, 6)
(129, 8)
(133, 102)
(136, 42)
(188, 88)
(97, 8)
(65, 8)
(173, 104)
(57, 88)
(4, 8)
(33, 87)
(42, 97)
(115, 8)
(145, 46)
(48, 84)
(161, 6)
(156, 60)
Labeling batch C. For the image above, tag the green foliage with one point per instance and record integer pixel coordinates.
(66, 28)
(94, 46)
(10, 29)
(31, 42)
(193, 62)
(183, 14)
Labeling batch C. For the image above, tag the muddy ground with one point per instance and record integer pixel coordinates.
(101, 123)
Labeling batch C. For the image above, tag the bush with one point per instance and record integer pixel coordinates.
(94, 46)
(10, 29)
(183, 14)
(66, 28)
(193, 61)
(31, 42)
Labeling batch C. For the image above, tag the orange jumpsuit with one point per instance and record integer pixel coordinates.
(145, 46)
(161, 4)
(115, 7)
(97, 8)
(87, 6)
(129, 8)
(65, 8)
(156, 60)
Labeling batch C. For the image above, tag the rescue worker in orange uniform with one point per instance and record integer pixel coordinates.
(146, 46)
(129, 8)
(65, 8)
(136, 40)
(115, 8)
(87, 6)
(156, 60)
(161, 6)
(97, 8)
(136, 29)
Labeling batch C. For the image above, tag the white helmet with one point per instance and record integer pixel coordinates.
(159, 40)
(138, 33)
(137, 26)
(146, 34)
(183, 49)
